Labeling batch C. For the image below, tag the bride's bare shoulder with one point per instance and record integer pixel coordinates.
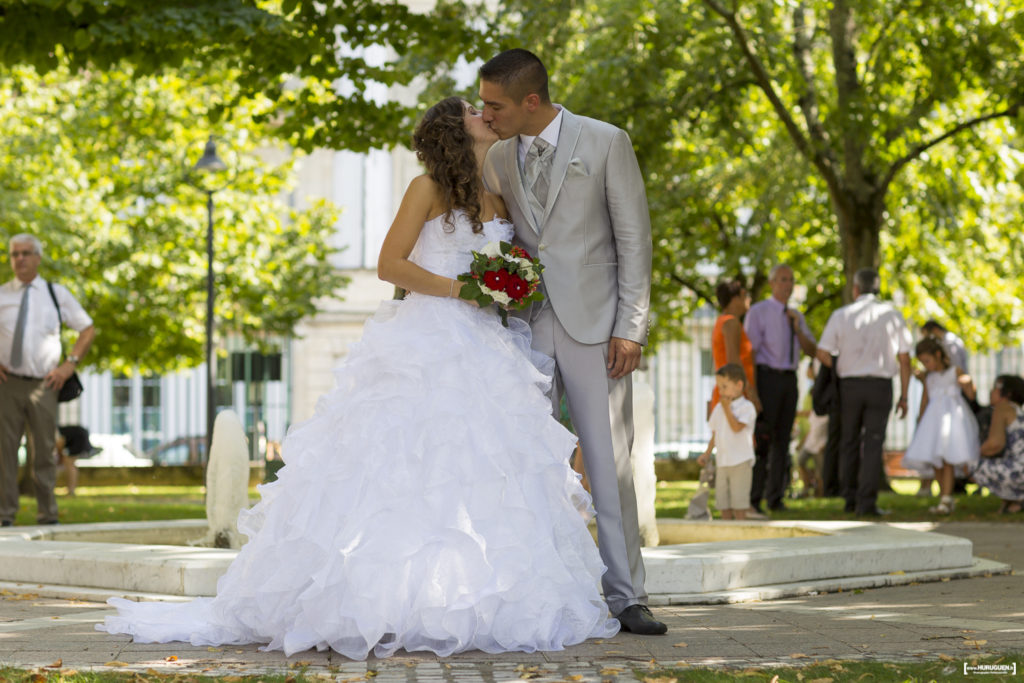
(424, 191)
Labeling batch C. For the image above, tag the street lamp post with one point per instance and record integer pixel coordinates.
(207, 165)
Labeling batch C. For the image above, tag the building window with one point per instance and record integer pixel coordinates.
(121, 408)
(151, 423)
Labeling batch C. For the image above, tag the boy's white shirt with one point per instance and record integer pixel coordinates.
(733, 448)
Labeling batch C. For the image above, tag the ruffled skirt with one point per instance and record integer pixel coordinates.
(428, 505)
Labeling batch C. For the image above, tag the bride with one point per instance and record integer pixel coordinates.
(428, 504)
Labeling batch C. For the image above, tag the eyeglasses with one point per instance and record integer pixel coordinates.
(20, 253)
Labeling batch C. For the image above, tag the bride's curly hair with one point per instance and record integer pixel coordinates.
(445, 147)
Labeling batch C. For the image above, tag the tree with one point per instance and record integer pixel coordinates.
(325, 66)
(832, 134)
(93, 163)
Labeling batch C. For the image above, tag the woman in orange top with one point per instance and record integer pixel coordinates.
(729, 343)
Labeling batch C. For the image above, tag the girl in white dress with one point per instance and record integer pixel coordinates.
(946, 437)
(429, 503)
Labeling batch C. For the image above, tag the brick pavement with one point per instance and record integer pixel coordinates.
(955, 619)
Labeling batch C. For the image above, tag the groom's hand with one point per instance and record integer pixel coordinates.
(623, 357)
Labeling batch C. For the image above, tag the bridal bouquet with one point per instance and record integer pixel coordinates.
(505, 275)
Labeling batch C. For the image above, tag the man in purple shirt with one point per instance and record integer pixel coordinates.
(778, 334)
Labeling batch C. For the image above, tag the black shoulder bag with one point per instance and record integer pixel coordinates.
(72, 388)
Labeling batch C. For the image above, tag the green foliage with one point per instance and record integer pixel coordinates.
(326, 67)
(829, 134)
(94, 163)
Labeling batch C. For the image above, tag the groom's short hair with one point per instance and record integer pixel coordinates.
(519, 72)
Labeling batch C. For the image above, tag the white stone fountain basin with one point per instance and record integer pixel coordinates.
(698, 562)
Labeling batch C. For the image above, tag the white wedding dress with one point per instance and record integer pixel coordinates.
(428, 504)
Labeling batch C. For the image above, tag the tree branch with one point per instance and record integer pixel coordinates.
(702, 292)
(883, 33)
(809, 99)
(764, 82)
(916, 152)
(913, 118)
(841, 27)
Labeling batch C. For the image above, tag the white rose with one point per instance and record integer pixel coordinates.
(499, 296)
(491, 250)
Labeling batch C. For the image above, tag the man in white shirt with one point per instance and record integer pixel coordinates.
(872, 342)
(32, 373)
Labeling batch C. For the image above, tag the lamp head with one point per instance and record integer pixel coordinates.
(210, 162)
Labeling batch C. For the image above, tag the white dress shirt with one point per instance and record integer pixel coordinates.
(867, 335)
(41, 345)
(549, 135)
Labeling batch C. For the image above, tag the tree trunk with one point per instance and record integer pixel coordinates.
(860, 224)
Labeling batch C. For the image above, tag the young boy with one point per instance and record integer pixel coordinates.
(732, 431)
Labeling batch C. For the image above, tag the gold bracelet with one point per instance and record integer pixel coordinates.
(451, 288)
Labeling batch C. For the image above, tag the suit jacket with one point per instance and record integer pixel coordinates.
(594, 237)
(825, 392)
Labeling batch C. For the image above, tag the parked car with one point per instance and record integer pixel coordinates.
(115, 450)
(185, 450)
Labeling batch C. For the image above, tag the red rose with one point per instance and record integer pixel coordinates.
(517, 287)
(496, 279)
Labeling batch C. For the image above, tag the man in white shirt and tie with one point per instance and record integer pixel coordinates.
(872, 341)
(32, 373)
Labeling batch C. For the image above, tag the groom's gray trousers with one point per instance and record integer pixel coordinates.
(601, 409)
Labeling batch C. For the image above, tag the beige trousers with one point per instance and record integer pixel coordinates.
(28, 405)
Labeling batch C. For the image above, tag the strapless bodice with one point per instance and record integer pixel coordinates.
(448, 252)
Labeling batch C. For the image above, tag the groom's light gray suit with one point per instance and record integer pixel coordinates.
(594, 239)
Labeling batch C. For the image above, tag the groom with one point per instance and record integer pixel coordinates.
(575, 194)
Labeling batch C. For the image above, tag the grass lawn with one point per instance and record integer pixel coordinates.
(144, 503)
(122, 504)
(674, 499)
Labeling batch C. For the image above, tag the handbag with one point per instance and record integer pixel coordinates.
(72, 388)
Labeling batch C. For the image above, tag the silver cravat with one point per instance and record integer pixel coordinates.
(537, 168)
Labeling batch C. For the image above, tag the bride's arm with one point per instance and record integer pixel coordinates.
(419, 204)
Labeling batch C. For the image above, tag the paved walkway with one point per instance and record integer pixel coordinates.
(955, 619)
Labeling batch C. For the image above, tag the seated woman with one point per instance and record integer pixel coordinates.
(1001, 469)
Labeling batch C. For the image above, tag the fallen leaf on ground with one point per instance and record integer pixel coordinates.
(680, 645)
(946, 658)
(171, 658)
(56, 665)
(114, 662)
(798, 655)
(610, 671)
(661, 679)
(826, 679)
(304, 662)
(214, 649)
(975, 643)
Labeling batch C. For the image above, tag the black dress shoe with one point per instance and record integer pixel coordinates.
(778, 507)
(873, 512)
(638, 619)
